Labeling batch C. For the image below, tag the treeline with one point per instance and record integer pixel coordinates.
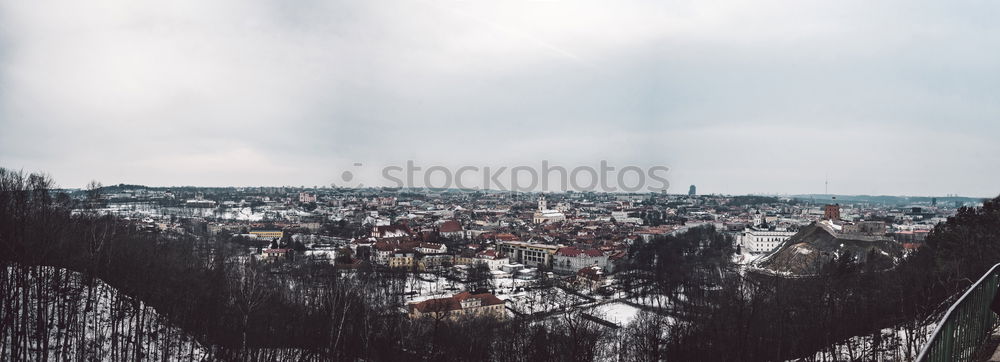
(751, 200)
(757, 317)
(667, 264)
(852, 311)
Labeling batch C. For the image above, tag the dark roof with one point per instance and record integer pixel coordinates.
(393, 245)
(572, 251)
(591, 272)
(454, 302)
(450, 226)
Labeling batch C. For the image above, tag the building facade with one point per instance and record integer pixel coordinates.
(268, 234)
(544, 214)
(570, 260)
(758, 241)
(831, 212)
(530, 254)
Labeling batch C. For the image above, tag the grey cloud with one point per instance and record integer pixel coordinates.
(737, 97)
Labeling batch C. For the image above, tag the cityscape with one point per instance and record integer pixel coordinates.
(504, 181)
(611, 266)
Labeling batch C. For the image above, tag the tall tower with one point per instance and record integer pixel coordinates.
(831, 212)
(542, 205)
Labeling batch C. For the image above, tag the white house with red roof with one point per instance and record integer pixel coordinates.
(493, 259)
(571, 259)
(591, 277)
(451, 229)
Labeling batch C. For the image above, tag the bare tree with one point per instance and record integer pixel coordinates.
(249, 289)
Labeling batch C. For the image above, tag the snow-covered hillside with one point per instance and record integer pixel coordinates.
(53, 314)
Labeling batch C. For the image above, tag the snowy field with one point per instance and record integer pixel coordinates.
(542, 300)
(508, 286)
(616, 312)
(424, 286)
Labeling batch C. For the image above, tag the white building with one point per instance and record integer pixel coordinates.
(622, 217)
(305, 197)
(492, 259)
(390, 231)
(762, 240)
(432, 248)
(571, 259)
(543, 214)
(529, 254)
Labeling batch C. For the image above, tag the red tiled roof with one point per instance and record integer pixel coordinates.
(591, 272)
(450, 226)
(454, 302)
(617, 255)
(394, 245)
(383, 246)
(437, 305)
(430, 245)
(572, 251)
(507, 237)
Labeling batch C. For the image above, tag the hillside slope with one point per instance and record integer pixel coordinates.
(54, 314)
(820, 243)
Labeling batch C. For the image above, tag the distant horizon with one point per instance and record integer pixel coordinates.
(328, 187)
(681, 189)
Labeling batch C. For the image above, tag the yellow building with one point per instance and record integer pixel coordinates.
(268, 234)
(402, 260)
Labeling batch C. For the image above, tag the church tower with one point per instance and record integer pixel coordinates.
(542, 205)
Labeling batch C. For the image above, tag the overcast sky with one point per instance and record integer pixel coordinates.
(758, 96)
